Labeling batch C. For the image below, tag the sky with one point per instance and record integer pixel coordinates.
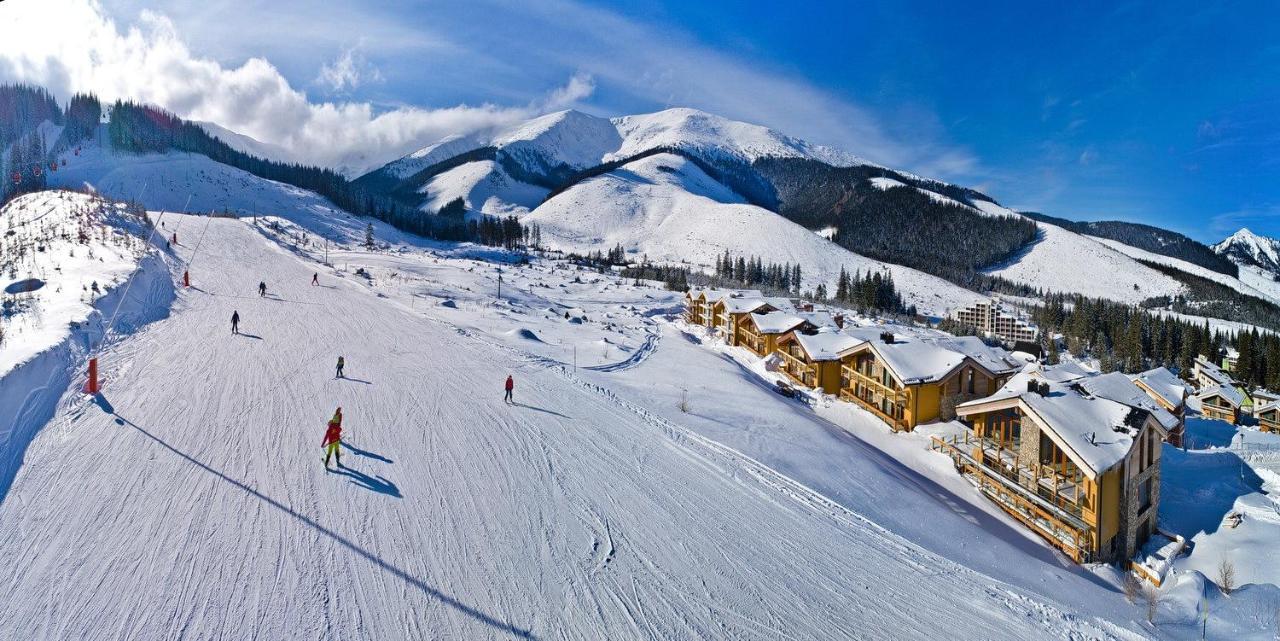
(1157, 112)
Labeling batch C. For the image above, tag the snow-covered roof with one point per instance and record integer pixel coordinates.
(827, 345)
(994, 359)
(781, 303)
(1163, 383)
(776, 322)
(1227, 392)
(1117, 387)
(742, 305)
(1064, 372)
(818, 319)
(1269, 407)
(917, 361)
(713, 295)
(1211, 371)
(1090, 429)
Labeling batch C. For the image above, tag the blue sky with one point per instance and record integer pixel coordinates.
(1164, 113)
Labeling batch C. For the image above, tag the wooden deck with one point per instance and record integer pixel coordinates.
(1057, 519)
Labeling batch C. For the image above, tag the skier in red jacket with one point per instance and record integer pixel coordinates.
(511, 385)
(333, 439)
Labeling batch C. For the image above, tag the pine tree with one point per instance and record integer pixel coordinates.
(368, 236)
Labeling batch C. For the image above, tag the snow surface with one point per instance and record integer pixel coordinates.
(717, 136)
(51, 276)
(485, 187)
(1268, 289)
(1263, 250)
(667, 209)
(1064, 261)
(193, 488)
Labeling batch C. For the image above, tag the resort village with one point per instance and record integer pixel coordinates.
(1071, 453)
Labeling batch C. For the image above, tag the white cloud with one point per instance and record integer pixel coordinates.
(72, 45)
(349, 71)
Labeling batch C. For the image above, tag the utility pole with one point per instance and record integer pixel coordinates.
(499, 283)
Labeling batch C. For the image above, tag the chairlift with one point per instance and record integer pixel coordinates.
(36, 172)
(17, 178)
(53, 166)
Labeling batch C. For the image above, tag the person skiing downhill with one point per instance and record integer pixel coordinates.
(341, 362)
(511, 385)
(333, 439)
(262, 289)
(315, 278)
(235, 322)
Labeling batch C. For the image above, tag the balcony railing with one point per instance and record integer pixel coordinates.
(797, 369)
(1062, 527)
(851, 374)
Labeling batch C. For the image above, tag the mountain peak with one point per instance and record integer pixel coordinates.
(1247, 248)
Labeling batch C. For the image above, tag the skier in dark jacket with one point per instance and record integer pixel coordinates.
(341, 362)
(262, 289)
(511, 385)
(315, 278)
(235, 322)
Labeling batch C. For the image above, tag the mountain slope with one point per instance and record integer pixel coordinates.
(1147, 238)
(666, 208)
(1064, 261)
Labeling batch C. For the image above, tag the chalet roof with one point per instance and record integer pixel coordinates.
(1227, 392)
(1164, 383)
(1269, 407)
(994, 359)
(915, 361)
(742, 305)
(1121, 389)
(827, 345)
(1064, 372)
(1211, 371)
(818, 318)
(714, 294)
(777, 322)
(1093, 431)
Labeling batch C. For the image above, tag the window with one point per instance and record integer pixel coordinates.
(1144, 495)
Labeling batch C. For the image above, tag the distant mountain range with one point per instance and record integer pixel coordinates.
(685, 186)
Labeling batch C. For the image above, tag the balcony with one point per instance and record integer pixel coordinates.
(798, 370)
(1050, 502)
(862, 389)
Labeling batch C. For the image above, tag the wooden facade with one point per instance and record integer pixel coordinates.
(1269, 417)
(1219, 407)
(1019, 462)
(867, 380)
(763, 343)
(799, 365)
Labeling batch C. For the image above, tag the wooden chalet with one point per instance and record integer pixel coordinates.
(1268, 417)
(813, 359)
(1080, 470)
(1164, 387)
(1221, 402)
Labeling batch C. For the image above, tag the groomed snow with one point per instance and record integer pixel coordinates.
(485, 187)
(193, 488)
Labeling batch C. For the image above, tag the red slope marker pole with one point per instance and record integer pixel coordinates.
(91, 387)
(186, 279)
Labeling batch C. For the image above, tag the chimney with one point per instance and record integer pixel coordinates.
(839, 318)
(1033, 387)
(886, 337)
(808, 307)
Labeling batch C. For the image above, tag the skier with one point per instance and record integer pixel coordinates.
(341, 362)
(262, 289)
(315, 278)
(235, 322)
(333, 439)
(175, 238)
(511, 385)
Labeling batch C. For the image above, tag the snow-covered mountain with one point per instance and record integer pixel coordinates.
(547, 151)
(1247, 248)
(666, 208)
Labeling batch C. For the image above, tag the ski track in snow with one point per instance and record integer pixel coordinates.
(189, 502)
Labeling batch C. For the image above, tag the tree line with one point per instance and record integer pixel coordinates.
(750, 271)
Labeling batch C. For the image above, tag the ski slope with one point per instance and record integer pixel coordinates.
(189, 501)
(1064, 261)
(667, 209)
